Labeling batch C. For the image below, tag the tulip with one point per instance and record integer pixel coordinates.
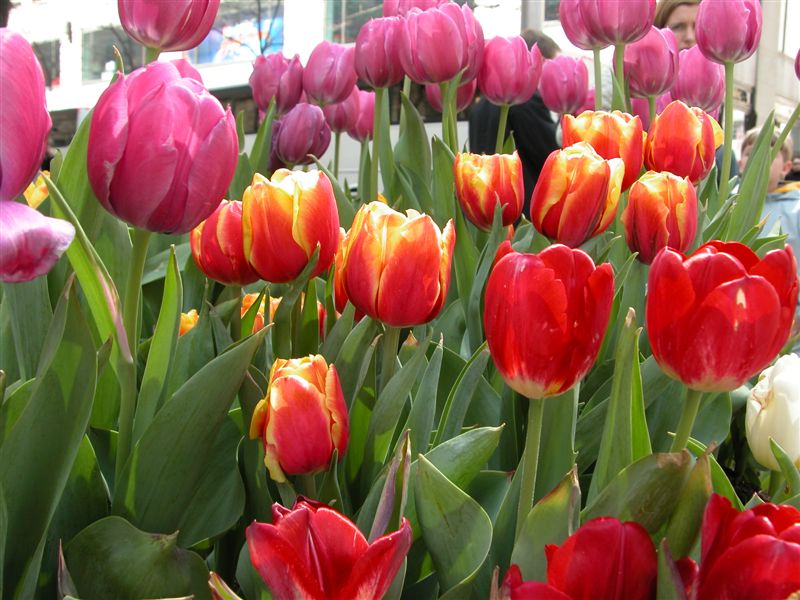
(377, 54)
(465, 94)
(576, 195)
(218, 247)
(37, 192)
(564, 302)
(30, 243)
(188, 322)
(275, 76)
(168, 26)
(343, 115)
(284, 219)
(484, 181)
(186, 69)
(797, 64)
(683, 141)
(301, 134)
(719, 316)
(314, 552)
(773, 411)
(24, 120)
(394, 267)
(400, 8)
(303, 417)
(364, 125)
(612, 135)
(514, 588)
(661, 212)
(162, 151)
(330, 73)
(738, 39)
(510, 72)
(651, 64)
(258, 323)
(565, 82)
(614, 22)
(700, 82)
(577, 32)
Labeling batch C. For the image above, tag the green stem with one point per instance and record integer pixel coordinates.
(151, 55)
(787, 128)
(725, 168)
(689, 413)
(391, 339)
(407, 92)
(443, 87)
(307, 485)
(236, 316)
(376, 140)
(530, 461)
(598, 80)
(127, 406)
(501, 129)
(776, 482)
(337, 138)
(619, 71)
(651, 103)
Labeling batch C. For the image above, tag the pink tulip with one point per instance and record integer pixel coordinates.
(162, 150)
(617, 21)
(473, 35)
(564, 85)
(275, 76)
(400, 8)
(572, 21)
(364, 125)
(24, 120)
(186, 69)
(329, 75)
(728, 30)
(377, 58)
(168, 26)
(797, 65)
(651, 64)
(700, 82)
(342, 115)
(510, 72)
(465, 94)
(301, 133)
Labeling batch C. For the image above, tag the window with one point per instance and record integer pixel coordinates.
(551, 10)
(49, 55)
(345, 18)
(98, 53)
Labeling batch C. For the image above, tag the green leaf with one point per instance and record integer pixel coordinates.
(423, 408)
(306, 339)
(412, 149)
(249, 318)
(557, 441)
(243, 174)
(684, 525)
(12, 407)
(719, 481)
(364, 173)
(670, 584)
(353, 359)
(455, 408)
(343, 204)
(259, 154)
(251, 452)
(443, 182)
(31, 314)
(384, 152)
(335, 338)
(282, 323)
(790, 472)
(465, 254)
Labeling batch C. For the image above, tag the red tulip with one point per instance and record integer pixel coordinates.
(738, 39)
(617, 21)
(719, 316)
(514, 588)
(484, 181)
(316, 553)
(329, 75)
(300, 135)
(362, 128)
(577, 32)
(564, 84)
(651, 64)
(465, 94)
(275, 76)
(377, 54)
(168, 26)
(564, 302)
(510, 72)
(700, 82)
(343, 115)
(400, 8)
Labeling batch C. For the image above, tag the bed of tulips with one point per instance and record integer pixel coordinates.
(408, 391)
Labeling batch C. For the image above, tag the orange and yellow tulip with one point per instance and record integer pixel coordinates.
(484, 181)
(188, 321)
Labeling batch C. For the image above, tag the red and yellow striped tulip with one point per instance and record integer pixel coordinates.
(482, 181)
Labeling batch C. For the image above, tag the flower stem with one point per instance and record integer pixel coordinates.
(787, 128)
(337, 138)
(619, 59)
(236, 316)
(307, 485)
(651, 103)
(501, 129)
(598, 80)
(530, 461)
(376, 140)
(690, 406)
(443, 87)
(727, 148)
(151, 55)
(391, 338)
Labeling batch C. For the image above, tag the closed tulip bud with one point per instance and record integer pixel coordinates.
(617, 21)
(188, 322)
(24, 120)
(484, 181)
(683, 141)
(362, 128)
(773, 412)
(465, 94)
(394, 267)
(700, 82)
(275, 76)
(564, 302)
(651, 64)
(577, 32)
(510, 72)
(377, 54)
(400, 8)
(218, 248)
(564, 84)
(661, 212)
(343, 115)
(719, 316)
(302, 419)
(162, 150)
(168, 26)
(576, 195)
(738, 39)
(284, 219)
(612, 135)
(301, 134)
(329, 75)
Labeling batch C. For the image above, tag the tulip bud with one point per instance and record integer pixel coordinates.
(24, 120)
(168, 26)
(400, 8)
(700, 82)
(364, 125)
(661, 212)
(377, 54)
(37, 192)
(343, 115)
(738, 39)
(330, 73)
(615, 22)
(683, 141)
(483, 181)
(301, 134)
(188, 322)
(651, 64)
(303, 417)
(284, 219)
(576, 195)
(510, 72)
(564, 84)
(773, 411)
(162, 151)
(577, 32)
(465, 94)
(275, 76)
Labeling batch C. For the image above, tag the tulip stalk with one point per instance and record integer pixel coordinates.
(619, 68)
(727, 127)
(337, 138)
(530, 460)
(691, 404)
(598, 80)
(376, 140)
(787, 128)
(151, 55)
(501, 129)
(651, 104)
(391, 341)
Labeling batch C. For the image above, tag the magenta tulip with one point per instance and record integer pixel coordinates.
(797, 65)
(342, 115)
(301, 133)
(24, 120)
(275, 76)
(169, 26)
(728, 30)
(572, 21)
(510, 72)
(700, 82)
(186, 69)
(377, 58)
(651, 64)
(400, 8)
(465, 94)
(564, 84)
(329, 75)
(162, 150)
(364, 125)
(617, 21)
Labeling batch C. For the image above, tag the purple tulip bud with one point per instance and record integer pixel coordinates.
(275, 76)
(465, 94)
(797, 65)
(330, 74)
(24, 120)
(343, 115)
(651, 64)
(302, 132)
(364, 125)
(574, 27)
(400, 8)
(728, 30)
(510, 72)
(564, 84)
(700, 82)
(30, 243)
(377, 58)
(162, 150)
(168, 26)
(617, 21)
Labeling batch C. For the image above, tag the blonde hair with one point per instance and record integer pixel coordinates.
(751, 136)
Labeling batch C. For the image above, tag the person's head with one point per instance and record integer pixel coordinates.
(679, 16)
(546, 44)
(796, 164)
(779, 167)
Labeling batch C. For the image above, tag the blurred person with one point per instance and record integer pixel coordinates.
(794, 174)
(679, 16)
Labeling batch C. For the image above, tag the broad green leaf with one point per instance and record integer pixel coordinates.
(155, 268)
(719, 480)
(31, 313)
(423, 408)
(442, 183)
(354, 357)
(557, 441)
(248, 319)
(251, 452)
(195, 349)
(343, 204)
(465, 253)
(12, 407)
(789, 471)
(684, 524)
(384, 152)
(306, 339)
(455, 408)
(259, 154)
(412, 149)
(336, 336)
(282, 323)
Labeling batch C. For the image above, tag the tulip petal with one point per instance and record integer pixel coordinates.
(336, 545)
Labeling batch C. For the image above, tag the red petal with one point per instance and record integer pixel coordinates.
(337, 544)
